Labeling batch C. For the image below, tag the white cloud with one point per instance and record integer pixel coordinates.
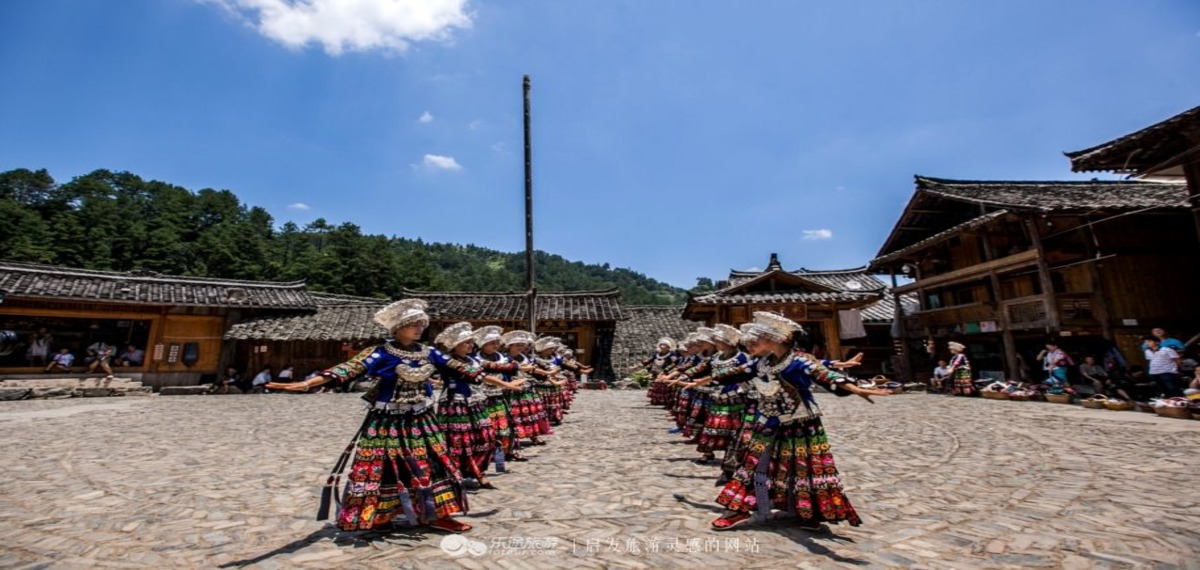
(817, 234)
(499, 147)
(475, 124)
(352, 25)
(438, 162)
(425, 118)
(299, 206)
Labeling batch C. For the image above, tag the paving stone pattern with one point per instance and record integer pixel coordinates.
(233, 481)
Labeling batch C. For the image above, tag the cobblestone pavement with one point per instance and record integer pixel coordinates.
(211, 481)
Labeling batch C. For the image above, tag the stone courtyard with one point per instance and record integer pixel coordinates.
(233, 481)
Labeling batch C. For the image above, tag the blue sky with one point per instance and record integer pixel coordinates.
(679, 138)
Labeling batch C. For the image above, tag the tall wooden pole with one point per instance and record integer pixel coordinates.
(530, 284)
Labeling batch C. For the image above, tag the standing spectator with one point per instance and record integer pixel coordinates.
(264, 377)
(960, 370)
(1165, 341)
(1094, 373)
(1164, 367)
(131, 357)
(62, 361)
(941, 377)
(1055, 363)
(100, 353)
(38, 352)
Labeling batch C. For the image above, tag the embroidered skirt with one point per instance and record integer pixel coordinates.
(697, 413)
(741, 438)
(528, 414)
(962, 383)
(466, 426)
(789, 467)
(683, 407)
(499, 414)
(722, 423)
(659, 394)
(401, 468)
(552, 397)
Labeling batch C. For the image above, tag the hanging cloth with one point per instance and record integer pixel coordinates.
(850, 324)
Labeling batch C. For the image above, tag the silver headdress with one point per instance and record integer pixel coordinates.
(727, 334)
(402, 312)
(488, 334)
(455, 335)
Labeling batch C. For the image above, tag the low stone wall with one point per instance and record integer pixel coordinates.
(59, 388)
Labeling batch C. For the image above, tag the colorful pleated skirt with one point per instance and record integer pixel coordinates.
(789, 467)
(401, 468)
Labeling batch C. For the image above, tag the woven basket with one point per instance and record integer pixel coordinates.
(994, 395)
(1095, 402)
(1172, 412)
(1118, 405)
(1058, 398)
(1144, 407)
(1019, 397)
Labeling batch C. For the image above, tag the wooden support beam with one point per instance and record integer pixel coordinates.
(1010, 262)
(1035, 235)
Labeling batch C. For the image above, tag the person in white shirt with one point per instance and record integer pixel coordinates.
(1164, 367)
(940, 374)
(287, 374)
(62, 361)
(259, 384)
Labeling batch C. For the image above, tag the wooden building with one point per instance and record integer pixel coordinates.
(585, 320)
(1000, 266)
(177, 321)
(336, 329)
(1169, 149)
(844, 311)
(637, 336)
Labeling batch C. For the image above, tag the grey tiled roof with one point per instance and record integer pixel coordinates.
(883, 311)
(718, 298)
(337, 318)
(637, 336)
(825, 286)
(1144, 148)
(1059, 195)
(29, 280)
(480, 306)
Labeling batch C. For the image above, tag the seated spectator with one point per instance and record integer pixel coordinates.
(1094, 373)
(287, 374)
(941, 373)
(264, 377)
(131, 357)
(230, 378)
(100, 356)
(1140, 386)
(62, 361)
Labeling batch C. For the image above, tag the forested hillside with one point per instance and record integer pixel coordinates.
(118, 221)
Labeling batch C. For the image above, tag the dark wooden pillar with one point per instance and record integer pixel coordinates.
(1035, 235)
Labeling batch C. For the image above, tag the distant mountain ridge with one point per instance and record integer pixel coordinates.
(118, 221)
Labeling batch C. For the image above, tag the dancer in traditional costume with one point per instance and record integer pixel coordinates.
(787, 464)
(401, 466)
(729, 371)
(697, 409)
(462, 408)
(488, 340)
(546, 370)
(960, 371)
(528, 409)
(681, 397)
(660, 362)
(574, 370)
